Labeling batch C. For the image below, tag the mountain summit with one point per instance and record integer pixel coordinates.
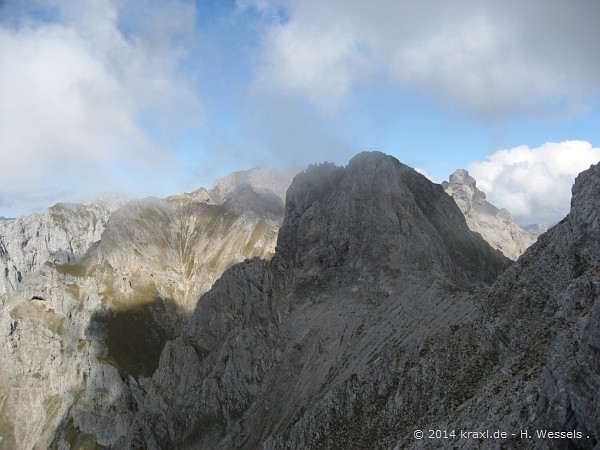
(302, 351)
(380, 313)
(378, 214)
(495, 225)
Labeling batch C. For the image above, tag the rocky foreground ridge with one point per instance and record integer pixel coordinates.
(375, 318)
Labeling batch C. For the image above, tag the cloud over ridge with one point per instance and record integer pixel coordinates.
(493, 58)
(534, 184)
(82, 80)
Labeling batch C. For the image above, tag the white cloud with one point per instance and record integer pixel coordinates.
(534, 184)
(79, 80)
(293, 63)
(494, 58)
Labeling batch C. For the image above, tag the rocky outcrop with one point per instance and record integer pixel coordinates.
(304, 351)
(60, 234)
(100, 297)
(495, 225)
(380, 313)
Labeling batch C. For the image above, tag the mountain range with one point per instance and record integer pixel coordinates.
(363, 308)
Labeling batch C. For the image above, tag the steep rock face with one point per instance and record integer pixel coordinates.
(310, 350)
(542, 318)
(332, 213)
(60, 235)
(495, 225)
(183, 247)
(83, 327)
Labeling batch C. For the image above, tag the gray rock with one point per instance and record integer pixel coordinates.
(60, 234)
(302, 352)
(347, 339)
(101, 291)
(380, 313)
(495, 225)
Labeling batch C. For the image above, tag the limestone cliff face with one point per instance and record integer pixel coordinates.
(183, 247)
(380, 313)
(100, 292)
(345, 341)
(381, 216)
(315, 349)
(495, 225)
(60, 234)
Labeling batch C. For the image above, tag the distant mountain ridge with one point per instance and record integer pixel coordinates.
(345, 314)
(260, 189)
(381, 313)
(110, 280)
(275, 354)
(495, 225)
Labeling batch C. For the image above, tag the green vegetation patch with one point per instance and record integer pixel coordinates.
(250, 249)
(36, 313)
(75, 269)
(135, 330)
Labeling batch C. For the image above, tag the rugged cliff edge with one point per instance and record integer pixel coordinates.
(93, 292)
(60, 234)
(495, 225)
(380, 313)
(320, 347)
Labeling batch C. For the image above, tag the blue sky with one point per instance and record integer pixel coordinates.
(158, 97)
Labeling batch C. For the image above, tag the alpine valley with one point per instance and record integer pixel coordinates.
(364, 304)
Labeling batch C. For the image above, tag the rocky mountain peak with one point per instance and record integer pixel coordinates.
(379, 213)
(463, 188)
(461, 176)
(495, 225)
(198, 196)
(262, 180)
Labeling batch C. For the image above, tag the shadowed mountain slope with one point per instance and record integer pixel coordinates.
(94, 293)
(314, 349)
